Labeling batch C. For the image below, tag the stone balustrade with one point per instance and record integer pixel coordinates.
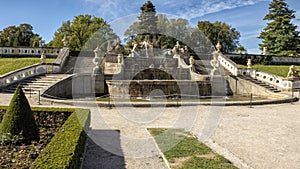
(29, 51)
(229, 65)
(276, 81)
(24, 73)
(33, 70)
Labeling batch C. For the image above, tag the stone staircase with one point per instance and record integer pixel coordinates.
(78, 65)
(255, 81)
(37, 84)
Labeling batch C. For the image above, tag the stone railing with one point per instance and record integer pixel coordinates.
(274, 80)
(34, 70)
(62, 57)
(271, 79)
(29, 51)
(229, 65)
(24, 73)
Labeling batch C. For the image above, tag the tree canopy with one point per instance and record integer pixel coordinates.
(82, 29)
(164, 32)
(21, 35)
(220, 32)
(280, 35)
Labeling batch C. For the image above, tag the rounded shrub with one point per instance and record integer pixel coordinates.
(18, 119)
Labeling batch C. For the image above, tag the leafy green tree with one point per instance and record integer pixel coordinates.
(222, 32)
(7, 35)
(80, 30)
(19, 120)
(280, 35)
(65, 29)
(21, 35)
(240, 50)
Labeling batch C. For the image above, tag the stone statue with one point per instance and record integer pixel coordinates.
(148, 46)
(120, 58)
(115, 47)
(135, 45)
(177, 45)
(292, 71)
(192, 60)
(65, 40)
(151, 66)
(161, 67)
(109, 48)
(265, 50)
(43, 57)
(219, 46)
(97, 60)
(249, 64)
(176, 48)
(185, 50)
(97, 51)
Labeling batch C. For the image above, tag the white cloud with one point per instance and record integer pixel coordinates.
(189, 9)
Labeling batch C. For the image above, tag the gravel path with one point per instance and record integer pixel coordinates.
(264, 136)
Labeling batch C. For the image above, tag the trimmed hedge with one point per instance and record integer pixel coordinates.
(19, 119)
(66, 147)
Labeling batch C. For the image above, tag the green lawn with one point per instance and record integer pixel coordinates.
(11, 64)
(280, 70)
(184, 151)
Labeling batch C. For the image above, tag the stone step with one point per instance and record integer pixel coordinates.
(78, 65)
(262, 84)
(38, 83)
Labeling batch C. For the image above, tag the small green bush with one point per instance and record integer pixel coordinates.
(18, 119)
(67, 145)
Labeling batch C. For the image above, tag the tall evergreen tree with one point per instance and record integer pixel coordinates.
(148, 21)
(280, 35)
(148, 18)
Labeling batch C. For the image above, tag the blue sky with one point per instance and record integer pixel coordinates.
(47, 16)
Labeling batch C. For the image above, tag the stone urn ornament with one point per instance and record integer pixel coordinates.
(43, 57)
(65, 40)
(219, 46)
(249, 63)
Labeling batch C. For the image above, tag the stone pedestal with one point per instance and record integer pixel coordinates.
(219, 86)
(98, 84)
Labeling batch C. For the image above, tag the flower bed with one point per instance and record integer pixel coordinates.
(61, 151)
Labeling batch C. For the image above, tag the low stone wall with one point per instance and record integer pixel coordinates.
(158, 88)
(28, 51)
(77, 86)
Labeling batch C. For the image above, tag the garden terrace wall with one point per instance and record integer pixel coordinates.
(15, 52)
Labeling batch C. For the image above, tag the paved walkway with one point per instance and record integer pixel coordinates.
(264, 136)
